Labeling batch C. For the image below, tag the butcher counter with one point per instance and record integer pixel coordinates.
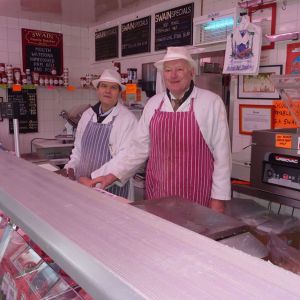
(117, 251)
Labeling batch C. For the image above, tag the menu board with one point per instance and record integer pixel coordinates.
(174, 27)
(42, 51)
(28, 121)
(106, 43)
(136, 36)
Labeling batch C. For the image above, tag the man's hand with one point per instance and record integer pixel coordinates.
(85, 181)
(217, 205)
(104, 181)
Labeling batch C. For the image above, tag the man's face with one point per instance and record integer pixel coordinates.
(177, 76)
(108, 93)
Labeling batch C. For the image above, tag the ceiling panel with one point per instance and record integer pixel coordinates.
(72, 12)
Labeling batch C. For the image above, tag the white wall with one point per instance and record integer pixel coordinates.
(50, 103)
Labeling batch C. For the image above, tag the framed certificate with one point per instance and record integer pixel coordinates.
(255, 117)
(264, 16)
(259, 86)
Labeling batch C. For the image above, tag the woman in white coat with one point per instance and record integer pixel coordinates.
(102, 134)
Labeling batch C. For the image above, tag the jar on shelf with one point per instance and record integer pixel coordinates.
(83, 82)
(60, 81)
(28, 76)
(17, 75)
(46, 80)
(23, 78)
(41, 81)
(35, 78)
(2, 67)
(4, 78)
(55, 81)
(51, 80)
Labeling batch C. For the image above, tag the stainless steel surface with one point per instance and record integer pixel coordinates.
(194, 217)
(264, 144)
(247, 243)
(16, 136)
(116, 251)
(262, 194)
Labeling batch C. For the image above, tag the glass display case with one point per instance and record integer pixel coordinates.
(24, 274)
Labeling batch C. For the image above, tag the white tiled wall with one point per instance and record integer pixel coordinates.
(50, 102)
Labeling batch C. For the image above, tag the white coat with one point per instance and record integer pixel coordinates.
(121, 133)
(211, 117)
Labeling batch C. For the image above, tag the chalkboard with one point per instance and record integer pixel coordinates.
(28, 120)
(42, 51)
(136, 36)
(106, 43)
(174, 27)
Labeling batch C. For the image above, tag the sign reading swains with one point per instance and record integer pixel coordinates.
(106, 43)
(136, 36)
(174, 27)
(42, 51)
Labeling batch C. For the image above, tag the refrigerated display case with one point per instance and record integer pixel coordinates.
(116, 251)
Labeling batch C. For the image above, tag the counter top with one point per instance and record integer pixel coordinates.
(117, 251)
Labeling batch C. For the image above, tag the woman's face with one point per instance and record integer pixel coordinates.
(108, 93)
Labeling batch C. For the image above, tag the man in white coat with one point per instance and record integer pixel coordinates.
(102, 134)
(184, 134)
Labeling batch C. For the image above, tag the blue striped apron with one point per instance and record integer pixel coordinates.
(95, 153)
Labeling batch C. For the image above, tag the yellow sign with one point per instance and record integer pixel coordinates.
(282, 116)
(283, 141)
(131, 88)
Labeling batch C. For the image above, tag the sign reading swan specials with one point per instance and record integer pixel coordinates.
(136, 36)
(42, 51)
(28, 119)
(106, 43)
(174, 27)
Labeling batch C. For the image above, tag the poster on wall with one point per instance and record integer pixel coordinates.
(174, 27)
(106, 43)
(293, 59)
(136, 36)
(28, 119)
(42, 51)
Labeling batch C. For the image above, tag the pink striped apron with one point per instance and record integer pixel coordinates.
(180, 163)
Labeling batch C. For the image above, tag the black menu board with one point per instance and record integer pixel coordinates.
(136, 36)
(174, 27)
(106, 43)
(28, 121)
(42, 51)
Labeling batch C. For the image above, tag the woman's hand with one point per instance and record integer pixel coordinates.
(104, 181)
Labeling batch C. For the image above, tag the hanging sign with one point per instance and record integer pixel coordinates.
(42, 51)
(174, 27)
(136, 36)
(106, 43)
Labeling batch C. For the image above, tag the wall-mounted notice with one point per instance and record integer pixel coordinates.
(42, 51)
(106, 43)
(28, 120)
(174, 27)
(136, 36)
(282, 115)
